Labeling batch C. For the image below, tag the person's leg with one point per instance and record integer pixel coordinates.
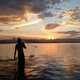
(21, 66)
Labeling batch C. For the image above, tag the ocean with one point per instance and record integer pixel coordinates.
(44, 61)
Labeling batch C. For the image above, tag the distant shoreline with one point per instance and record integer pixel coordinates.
(7, 41)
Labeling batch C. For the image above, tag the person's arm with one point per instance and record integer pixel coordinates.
(24, 45)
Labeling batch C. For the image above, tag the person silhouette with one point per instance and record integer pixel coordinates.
(21, 60)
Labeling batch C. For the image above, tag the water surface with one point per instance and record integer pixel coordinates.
(48, 61)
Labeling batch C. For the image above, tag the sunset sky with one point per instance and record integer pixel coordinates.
(40, 18)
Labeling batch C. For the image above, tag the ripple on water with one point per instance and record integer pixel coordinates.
(53, 66)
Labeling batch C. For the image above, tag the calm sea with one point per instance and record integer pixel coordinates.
(48, 61)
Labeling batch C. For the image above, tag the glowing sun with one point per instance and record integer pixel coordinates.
(51, 37)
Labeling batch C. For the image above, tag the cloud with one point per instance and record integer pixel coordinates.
(76, 14)
(71, 33)
(17, 8)
(9, 6)
(73, 14)
(40, 5)
(45, 14)
(51, 26)
(35, 5)
(66, 0)
(10, 10)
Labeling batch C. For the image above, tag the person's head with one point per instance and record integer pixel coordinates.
(19, 40)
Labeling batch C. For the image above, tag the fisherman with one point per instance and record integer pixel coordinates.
(20, 46)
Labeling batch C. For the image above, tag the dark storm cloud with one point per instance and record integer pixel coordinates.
(40, 5)
(7, 5)
(35, 5)
(10, 10)
(17, 7)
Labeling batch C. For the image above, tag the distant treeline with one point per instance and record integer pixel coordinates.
(42, 41)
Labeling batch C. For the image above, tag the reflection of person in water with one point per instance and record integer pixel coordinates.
(21, 60)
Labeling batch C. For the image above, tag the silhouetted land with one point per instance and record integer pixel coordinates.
(42, 41)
